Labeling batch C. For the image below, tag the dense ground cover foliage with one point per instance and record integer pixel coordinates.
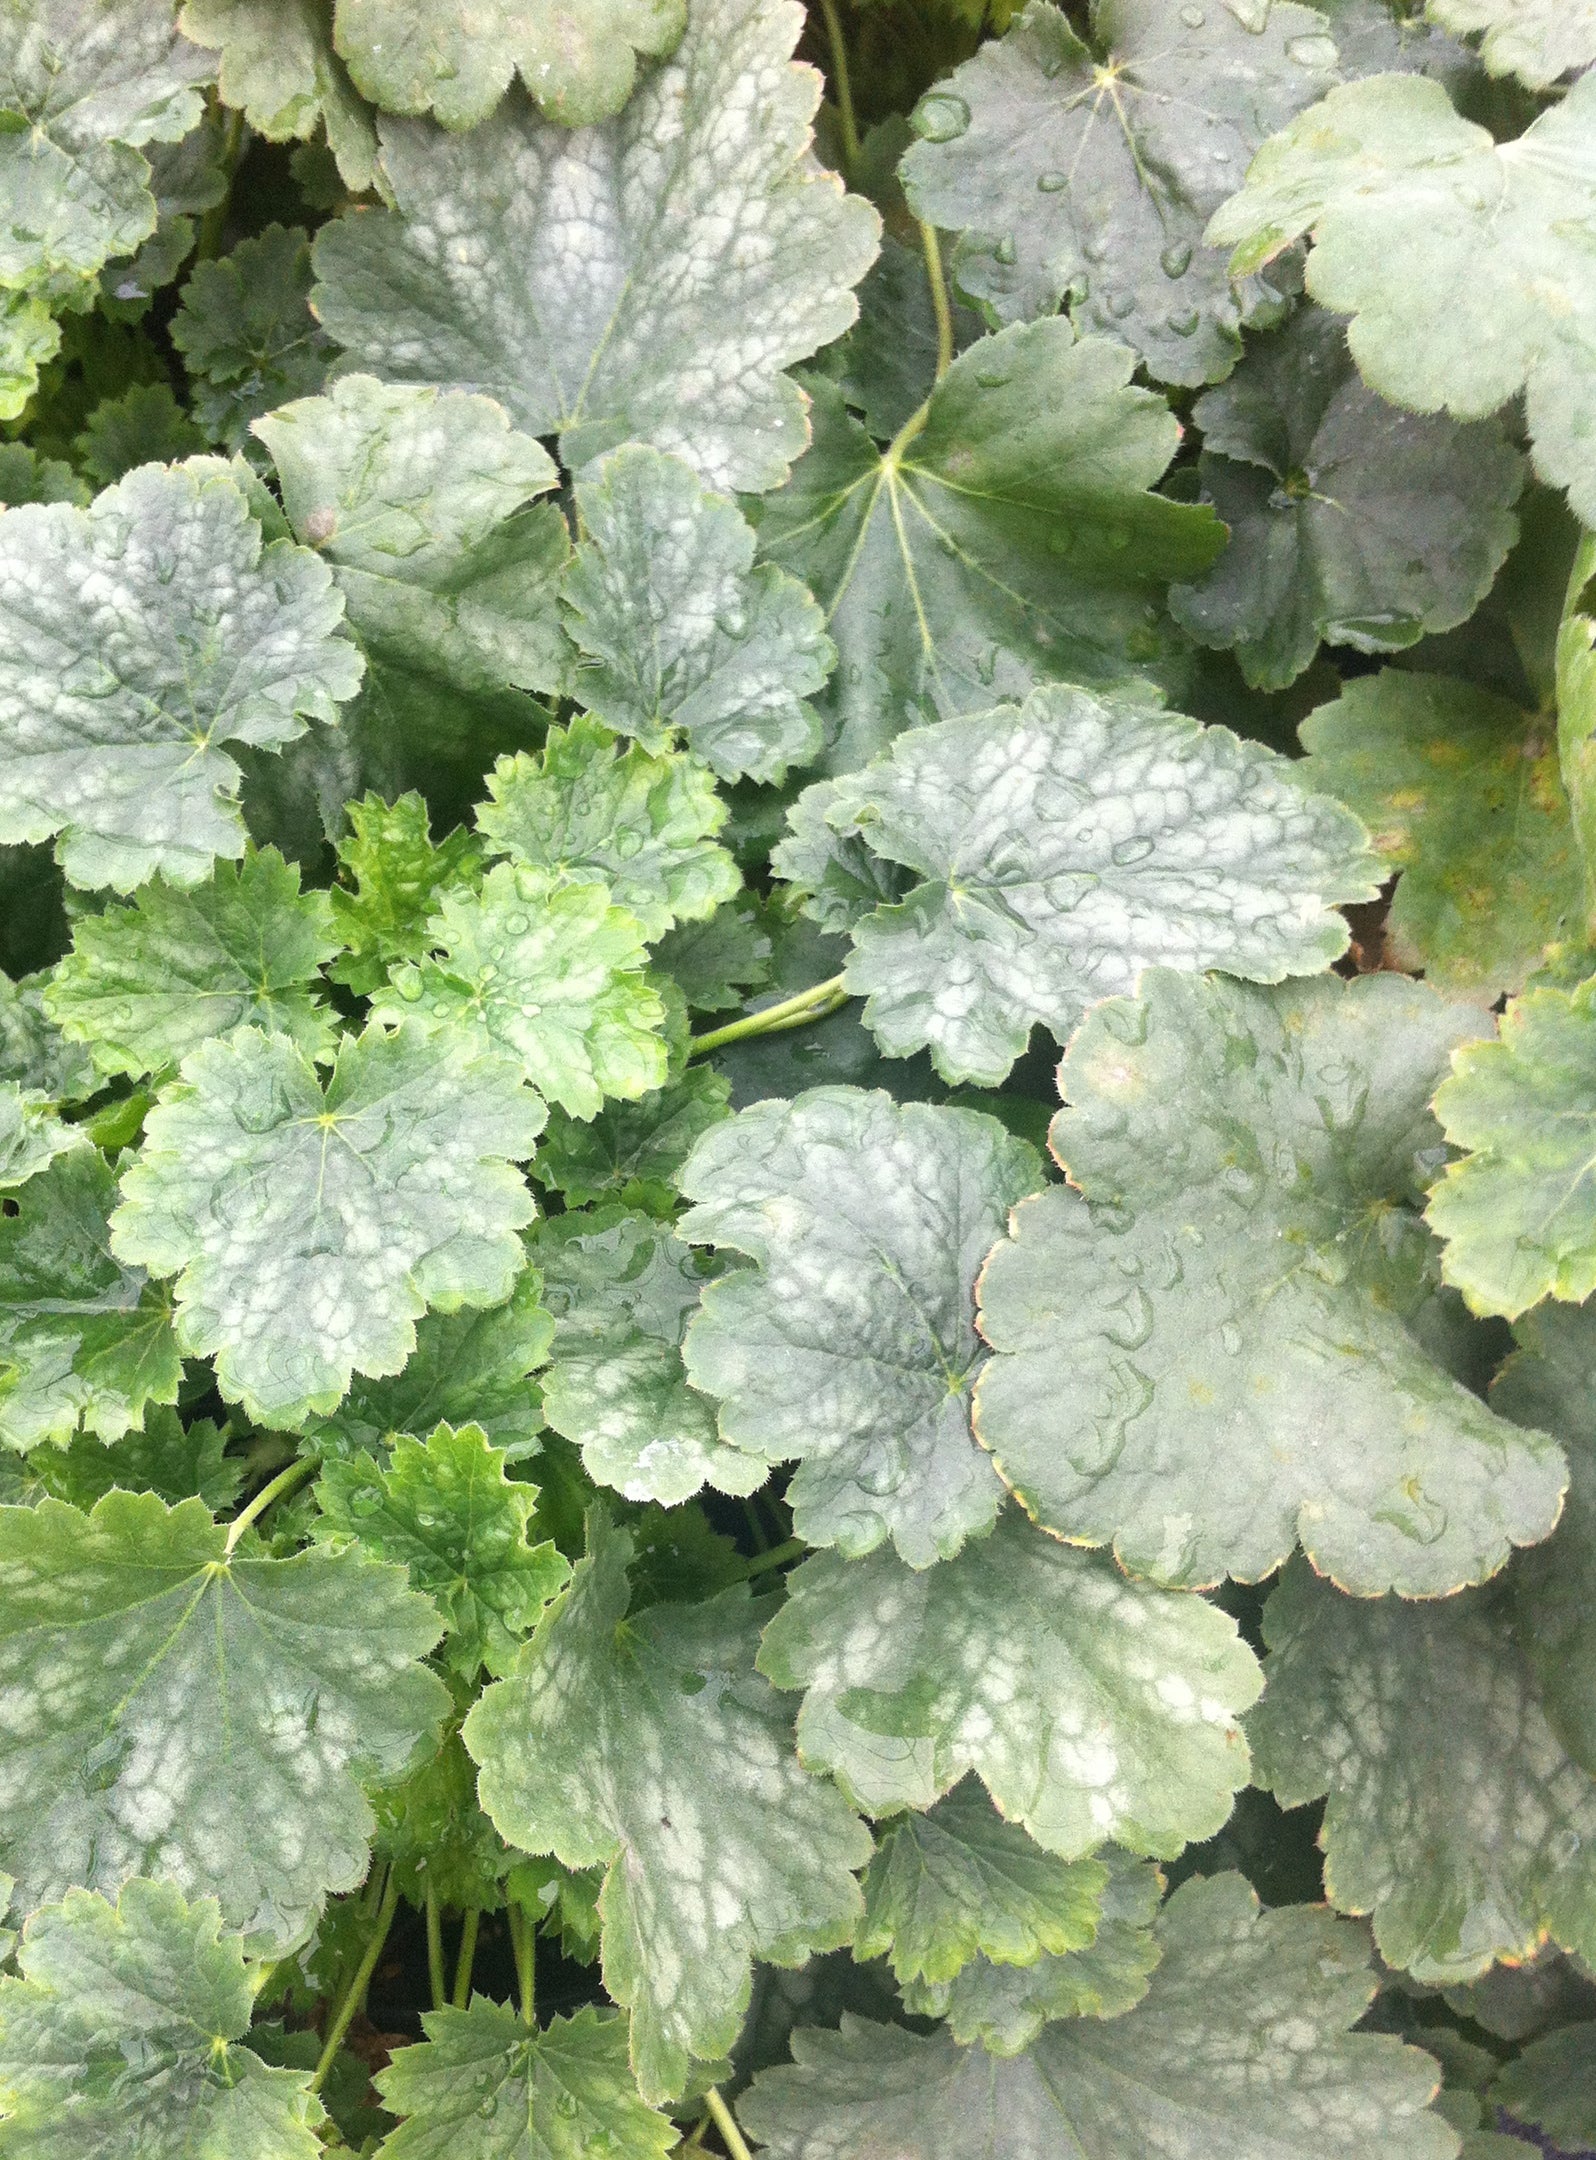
(797, 1079)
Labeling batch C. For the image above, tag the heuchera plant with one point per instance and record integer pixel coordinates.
(797, 1079)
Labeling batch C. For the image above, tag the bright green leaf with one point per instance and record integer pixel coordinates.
(30, 337)
(399, 875)
(678, 630)
(851, 1345)
(146, 984)
(247, 335)
(1237, 1290)
(710, 254)
(1460, 790)
(1091, 1707)
(1064, 845)
(208, 1716)
(309, 1229)
(279, 69)
(650, 1746)
(1087, 175)
(481, 2087)
(120, 2036)
(578, 58)
(136, 639)
(1241, 2051)
(585, 811)
(1012, 538)
(1536, 40)
(1350, 521)
(1409, 206)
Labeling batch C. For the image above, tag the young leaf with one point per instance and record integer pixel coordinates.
(1091, 1707)
(586, 812)
(632, 1151)
(399, 875)
(467, 1368)
(31, 1135)
(622, 1288)
(212, 1716)
(1349, 521)
(418, 500)
(1241, 2051)
(246, 333)
(120, 2035)
(457, 60)
(678, 630)
(114, 709)
(1012, 537)
(1408, 205)
(1455, 1816)
(1207, 1350)
(553, 975)
(959, 1882)
(85, 1340)
(481, 2087)
(1536, 40)
(1460, 790)
(309, 1229)
(1063, 846)
(710, 254)
(653, 1748)
(1088, 180)
(279, 69)
(1003, 2007)
(144, 985)
(444, 1509)
(851, 1345)
(1517, 1216)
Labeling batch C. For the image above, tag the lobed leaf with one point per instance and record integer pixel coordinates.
(278, 67)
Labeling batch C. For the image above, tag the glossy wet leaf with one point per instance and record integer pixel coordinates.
(208, 1717)
(395, 875)
(851, 1343)
(597, 1748)
(712, 256)
(1210, 1347)
(309, 1228)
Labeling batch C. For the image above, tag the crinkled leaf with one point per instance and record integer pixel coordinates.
(136, 639)
(420, 501)
(467, 1368)
(1517, 1215)
(31, 1135)
(585, 811)
(481, 2087)
(1091, 1707)
(716, 963)
(709, 255)
(578, 58)
(146, 984)
(1012, 539)
(1003, 2007)
(208, 1716)
(444, 1509)
(85, 1340)
(33, 1051)
(678, 631)
(1349, 521)
(279, 69)
(1536, 40)
(1210, 1348)
(1552, 2087)
(310, 1228)
(144, 426)
(959, 1882)
(120, 2036)
(1409, 205)
(247, 335)
(653, 1748)
(622, 1289)
(851, 1345)
(1241, 2051)
(551, 973)
(1087, 176)
(398, 875)
(1063, 846)
(632, 1151)
(1455, 1815)
(1460, 791)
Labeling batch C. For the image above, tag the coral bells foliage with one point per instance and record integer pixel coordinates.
(797, 1079)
